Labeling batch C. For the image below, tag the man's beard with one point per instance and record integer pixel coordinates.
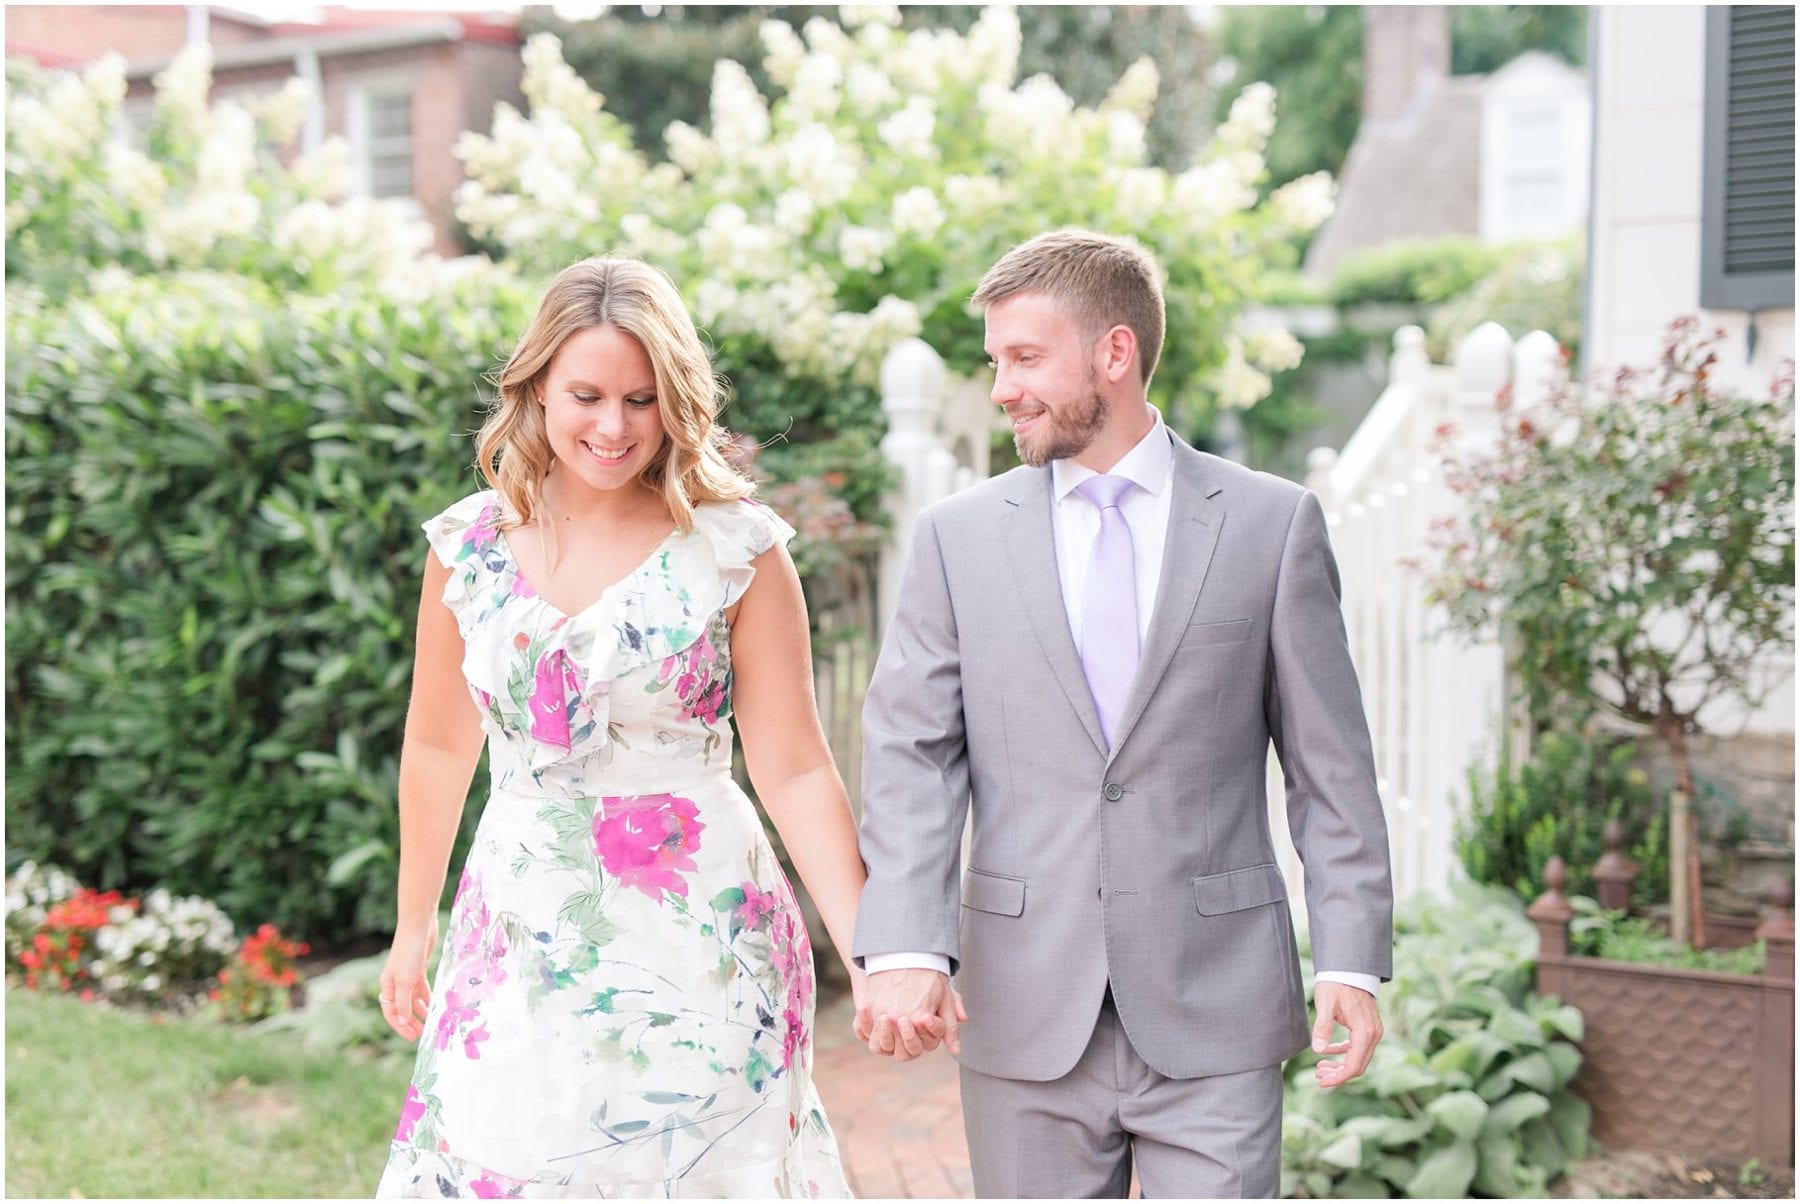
(1069, 433)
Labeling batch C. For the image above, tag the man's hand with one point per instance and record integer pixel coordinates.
(908, 1013)
(1338, 1003)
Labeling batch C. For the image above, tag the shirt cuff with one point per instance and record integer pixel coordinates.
(875, 963)
(1362, 982)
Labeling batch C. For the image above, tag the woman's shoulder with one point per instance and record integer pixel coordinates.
(741, 530)
(467, 527)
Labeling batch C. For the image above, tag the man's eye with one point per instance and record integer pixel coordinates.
(993, 364)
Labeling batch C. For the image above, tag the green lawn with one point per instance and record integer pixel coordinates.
(108, 1103)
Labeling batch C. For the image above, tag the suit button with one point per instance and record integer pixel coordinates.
(1114, 792)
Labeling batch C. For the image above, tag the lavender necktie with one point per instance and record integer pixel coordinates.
(1109, 616)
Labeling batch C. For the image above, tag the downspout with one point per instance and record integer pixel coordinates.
(312, 129)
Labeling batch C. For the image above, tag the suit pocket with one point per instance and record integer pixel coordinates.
(1202, 635)
(994, 893)
(1236, 890)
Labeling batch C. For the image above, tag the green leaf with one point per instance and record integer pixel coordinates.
(1461, 1112)
(1389, 1132)
(1360, 1187)
(1565, 1061)
(1572, 1119)
(1497, 1175)
(345, 866)
(1445, 1173)
(1346, 1152)
(1508, 1114)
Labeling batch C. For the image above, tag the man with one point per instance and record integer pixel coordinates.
(1094, 652)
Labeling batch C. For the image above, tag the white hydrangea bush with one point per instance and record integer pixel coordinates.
(862, 205)
(31, 891)
(209, 188)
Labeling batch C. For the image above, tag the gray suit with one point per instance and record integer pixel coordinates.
(1150, 869)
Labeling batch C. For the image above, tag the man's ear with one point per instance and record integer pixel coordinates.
(1117, 351)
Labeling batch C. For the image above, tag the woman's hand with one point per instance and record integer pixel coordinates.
(863, 1023)
(405, 991)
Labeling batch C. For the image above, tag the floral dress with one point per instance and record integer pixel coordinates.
(624, 1001)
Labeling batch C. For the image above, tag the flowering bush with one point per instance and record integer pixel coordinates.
(814, 232)
(259, 981)
(207, 188)
(73, 937)
(1636, 540)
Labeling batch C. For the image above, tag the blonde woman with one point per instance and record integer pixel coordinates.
(623, 1005)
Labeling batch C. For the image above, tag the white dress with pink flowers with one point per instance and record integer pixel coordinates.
(624, 1001)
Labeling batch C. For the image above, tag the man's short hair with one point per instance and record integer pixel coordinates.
(1101, 281)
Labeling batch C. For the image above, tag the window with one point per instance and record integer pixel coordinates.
(381, 140)
(1534, 181)
(1747, 194)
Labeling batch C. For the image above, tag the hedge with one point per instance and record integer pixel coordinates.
(212, 577)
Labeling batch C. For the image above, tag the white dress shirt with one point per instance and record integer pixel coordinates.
(1150, 466)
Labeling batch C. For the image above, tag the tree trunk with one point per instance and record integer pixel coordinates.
(1687, 913)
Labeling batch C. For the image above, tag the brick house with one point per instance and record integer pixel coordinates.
(399, 87)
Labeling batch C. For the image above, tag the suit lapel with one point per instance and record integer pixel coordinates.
(1195, 517)
(1031, 543)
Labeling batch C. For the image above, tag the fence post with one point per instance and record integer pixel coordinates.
(1536, 368)
(1552, 913)
(1777, 932)
(912, 397)
(1614, 873)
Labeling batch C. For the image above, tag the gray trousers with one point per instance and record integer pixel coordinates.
(1083, 1134)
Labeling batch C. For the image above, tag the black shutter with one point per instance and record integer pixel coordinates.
(1747, 201)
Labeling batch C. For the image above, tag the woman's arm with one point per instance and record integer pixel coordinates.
(437, 759)
(784, 748)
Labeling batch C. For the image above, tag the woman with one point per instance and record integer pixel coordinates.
(625, 995)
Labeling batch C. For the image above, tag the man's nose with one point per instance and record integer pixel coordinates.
(1004, 390)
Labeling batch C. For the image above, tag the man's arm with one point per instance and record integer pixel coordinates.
(915, 801)
(1316, 720)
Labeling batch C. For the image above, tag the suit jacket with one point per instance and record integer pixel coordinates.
(1150, 866)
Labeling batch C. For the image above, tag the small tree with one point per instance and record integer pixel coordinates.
(1638, 546)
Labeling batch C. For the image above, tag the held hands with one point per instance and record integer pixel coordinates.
(905, 1013)
(1338, 1003)
(405, 992)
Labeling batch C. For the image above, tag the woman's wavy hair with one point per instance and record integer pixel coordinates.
(512, 449)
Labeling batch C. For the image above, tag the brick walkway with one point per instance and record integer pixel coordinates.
(898, 1124)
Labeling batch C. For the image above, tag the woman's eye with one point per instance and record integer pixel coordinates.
(643, 403)
(586, 398)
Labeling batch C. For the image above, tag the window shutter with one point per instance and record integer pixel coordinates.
(1747, 212)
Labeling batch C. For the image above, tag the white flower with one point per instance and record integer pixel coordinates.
(817, 88)
(783, 52)
(152, 982)
(1135, 93)
(324, 174)
(908, 130)
(917, 212)
(1304, 203)
(1141, 193)
(1124, 137)
(855, 16)
(740, 115)
(714, 301)
(818, 163)
(973, 196)
(1251, 120)
(1237, 384)
(281, 112)
(1273, 349)
(828, 38)
(794, 211)
(869, 89)
(688, 148)
(991, 53)
(181, 89)
(862, 248)
(146, 958)
(551, 84)
(1210, 191)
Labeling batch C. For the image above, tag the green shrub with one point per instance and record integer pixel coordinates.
(1468, 1092)
(1420, 272)
(1535, 286)
(213, 576)
(1559, 802)
(1618, 937)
